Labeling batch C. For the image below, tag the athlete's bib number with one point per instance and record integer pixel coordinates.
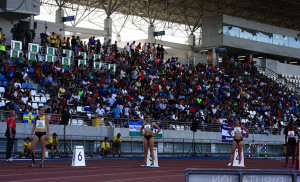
(237, 130)
(147, 127)
(291, 133)
(40, 124)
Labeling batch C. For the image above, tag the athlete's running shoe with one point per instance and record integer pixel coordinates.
(31, 164)
(144, 165)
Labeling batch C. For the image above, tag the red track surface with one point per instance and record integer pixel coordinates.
(119, 170)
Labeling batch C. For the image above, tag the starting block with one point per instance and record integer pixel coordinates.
(236, 158)
(149, 158)
(78, 156)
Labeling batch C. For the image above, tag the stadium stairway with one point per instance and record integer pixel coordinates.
(279, 78)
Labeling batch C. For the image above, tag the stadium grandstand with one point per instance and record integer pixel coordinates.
(100, 68)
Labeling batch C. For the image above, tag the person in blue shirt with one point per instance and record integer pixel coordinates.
(117, 114)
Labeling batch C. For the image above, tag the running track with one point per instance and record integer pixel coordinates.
(119, 170)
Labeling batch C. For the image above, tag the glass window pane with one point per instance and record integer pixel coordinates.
(294, 42)
(247, 34)
(264, 37)
(280, 40)
(231, 31)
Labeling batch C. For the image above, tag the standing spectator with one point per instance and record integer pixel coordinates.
(64, 43)
(117, 144)
(52, 144)
(52, 40)
(98, 46)
(127, 48)
(1, 33)
(117, 113)
(162, 52)
(14, 32)
(158, 51)
(105, 147)
(100, 111)
(10, 134)
(132, 46)
(3, 46)
(65, 115)
(57, 42)
(92, 43)
(25, 149)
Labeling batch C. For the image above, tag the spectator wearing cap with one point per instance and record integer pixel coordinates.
(52, 144)
(26, 147)
(105, 147)
(117, 144)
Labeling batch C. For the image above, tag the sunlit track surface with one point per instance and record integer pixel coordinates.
(120, 170)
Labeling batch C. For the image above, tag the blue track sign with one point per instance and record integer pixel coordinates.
(160, 33)
(68, 18)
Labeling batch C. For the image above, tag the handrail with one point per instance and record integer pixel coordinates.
(133, 145)
(124, 123)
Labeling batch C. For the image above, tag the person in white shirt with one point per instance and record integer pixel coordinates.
(100, 111)
(126, 111)
(107, 109)
(24, 98)
(132, 46)
(17, 84)
(127, 48)
(145, 48)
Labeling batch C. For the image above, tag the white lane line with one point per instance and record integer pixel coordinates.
(130, 179)
(100, 175)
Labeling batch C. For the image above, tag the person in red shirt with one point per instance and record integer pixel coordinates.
(10, 134)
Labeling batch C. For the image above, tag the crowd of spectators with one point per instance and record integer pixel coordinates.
(146, 83)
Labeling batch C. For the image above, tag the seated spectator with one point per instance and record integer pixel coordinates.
(26, 147)
(42, 89)
(105, 147)
(73, 109)
(52, 144)
(2, 105)
(117, 144)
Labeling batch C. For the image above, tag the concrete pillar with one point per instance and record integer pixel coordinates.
(191, 40)
(118, 38)
(215, 61)
(59, 14)
(31, 22)
(151, 38)
(190, 54)
(108, 28)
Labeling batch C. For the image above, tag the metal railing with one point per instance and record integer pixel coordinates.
(275, 76)
(166, 146)
(89, 119)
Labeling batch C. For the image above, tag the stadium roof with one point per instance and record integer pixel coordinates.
(282, 13)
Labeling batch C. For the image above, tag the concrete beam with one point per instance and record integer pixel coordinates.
(89, 31)
(174, 45)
